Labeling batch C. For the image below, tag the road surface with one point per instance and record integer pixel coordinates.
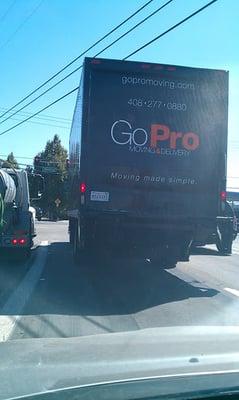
(50, 296)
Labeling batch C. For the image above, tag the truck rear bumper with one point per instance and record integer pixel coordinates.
(135, 231)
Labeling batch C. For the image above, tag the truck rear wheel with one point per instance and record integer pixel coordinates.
(75, 245)
(224, 243)
(71, 233)
(164, 256)
(224, 248)
(169, 255)
(79, 253)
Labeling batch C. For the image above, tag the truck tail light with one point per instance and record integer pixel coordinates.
(82, 187)
(223, 195)
(19, 241)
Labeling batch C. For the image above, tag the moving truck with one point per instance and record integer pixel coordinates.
(148, 149)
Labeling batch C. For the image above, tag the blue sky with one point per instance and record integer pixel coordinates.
(34, 47)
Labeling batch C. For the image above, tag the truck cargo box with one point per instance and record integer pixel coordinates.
(149, 141)
(153, 138)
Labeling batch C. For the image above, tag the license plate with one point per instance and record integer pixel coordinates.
(99, 196)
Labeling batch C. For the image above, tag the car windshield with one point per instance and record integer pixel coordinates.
(119, 191)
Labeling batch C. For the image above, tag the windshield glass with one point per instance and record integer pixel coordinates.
(119, 190)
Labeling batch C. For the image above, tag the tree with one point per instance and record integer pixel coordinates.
(10, 161)
(52, 164)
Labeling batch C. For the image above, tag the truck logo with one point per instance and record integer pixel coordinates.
(122, 133)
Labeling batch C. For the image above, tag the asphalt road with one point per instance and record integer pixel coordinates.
(50, 296)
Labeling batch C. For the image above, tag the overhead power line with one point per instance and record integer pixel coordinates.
(44, 161)
(134, 27)
(38, 112)
(40, 95)
(78, 68)
(5, 14)
(44, 117)
(44, 124)
(137, 50)
(172, 28)
(20, 157)
(77, 58)
(26, 19)
(46, 121)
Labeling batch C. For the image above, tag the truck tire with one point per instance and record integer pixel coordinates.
(79, 254)
(164, 257)
(75, 246)
(224, 242)
(223, 248)
(71, 232)
(169, 255)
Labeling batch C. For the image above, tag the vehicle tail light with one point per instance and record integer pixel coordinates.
(223, 195)
(82, 187)
(19, 241)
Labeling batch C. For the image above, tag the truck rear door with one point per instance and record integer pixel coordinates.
(156, 138)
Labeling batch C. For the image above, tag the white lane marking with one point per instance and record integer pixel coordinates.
(232, 291)
(235, 248)
(10, 312)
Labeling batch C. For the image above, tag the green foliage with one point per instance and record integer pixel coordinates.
(54, 156)
(10, 161)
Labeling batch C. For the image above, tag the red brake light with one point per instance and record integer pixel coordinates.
(223, 195)
(14, 241)
(82, 187)
(22, 241)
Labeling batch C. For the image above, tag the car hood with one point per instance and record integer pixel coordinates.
(37, 365)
